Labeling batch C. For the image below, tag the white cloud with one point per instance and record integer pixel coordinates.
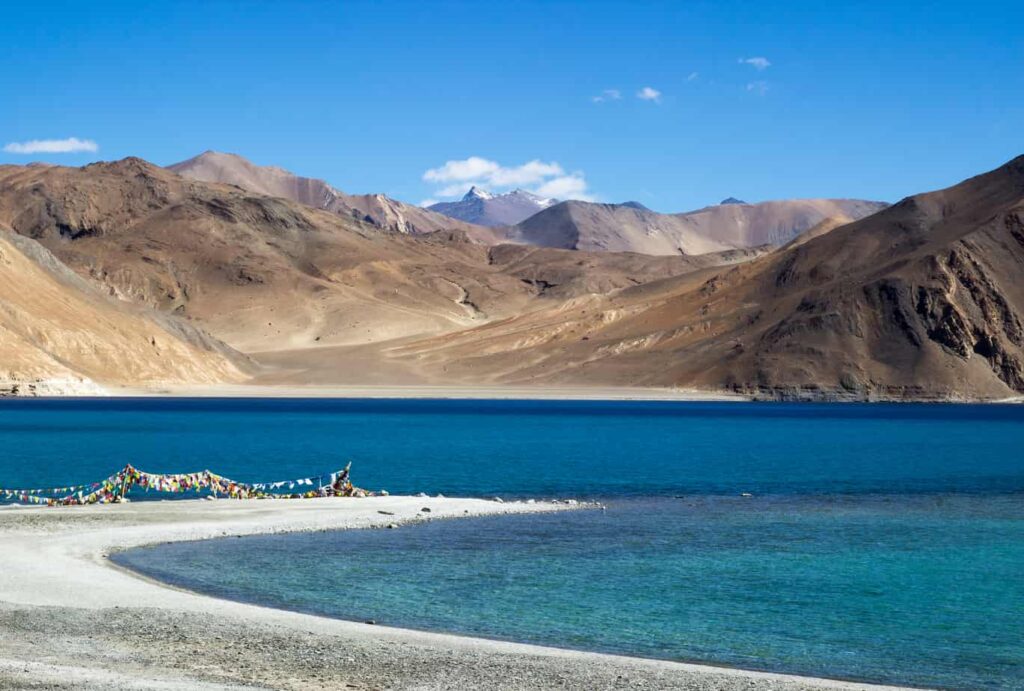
(692, 76)
(760, 88)
(475, 170)
(607, 95)
(547, 179)
(526, 174)
(760, 63)
(572, 186)
(467, 169)
(70, 145)
(649, 94)
(428, 202)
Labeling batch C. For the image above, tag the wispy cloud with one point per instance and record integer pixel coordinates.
(465, 169)
(692, 76)
(547, 179)
(607, 95)
(760, 87)
(429, 202)
(477, 168)
(71, 145)
(572, 186)
(649, 94)
(759, 63)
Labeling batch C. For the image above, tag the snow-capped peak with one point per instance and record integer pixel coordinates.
(526, 194)
(477, 193)
(482, 207)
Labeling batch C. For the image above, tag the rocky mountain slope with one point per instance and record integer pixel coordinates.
(633, 228)
(492, 219)
(924, 299)
(483, 208)
(375, 209)
(740, 224)
(921, 300)
(60, 335)
(613, 228)
(267, 274)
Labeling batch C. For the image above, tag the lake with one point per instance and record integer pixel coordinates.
(880, 542)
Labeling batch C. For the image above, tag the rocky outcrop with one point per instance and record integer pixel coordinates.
(50, 387)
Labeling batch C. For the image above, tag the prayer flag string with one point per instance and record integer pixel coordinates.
(115, 488)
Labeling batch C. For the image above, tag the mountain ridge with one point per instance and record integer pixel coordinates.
(480, 207)
(922, 300)
(266, 273)
(631, 227)
(376, 209)
(60, 335)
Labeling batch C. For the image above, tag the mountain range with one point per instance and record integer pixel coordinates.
(375, 209)
(522, 217)
(631, 227)
(128, 274)
(921, 300)
(265, 274)
(494, 210)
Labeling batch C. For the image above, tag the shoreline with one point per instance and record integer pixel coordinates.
(67, 612)
(518, 393)
(496, 393)
(51, 390)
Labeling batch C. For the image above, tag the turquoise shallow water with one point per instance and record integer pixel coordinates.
(926, 590)
(882, 542)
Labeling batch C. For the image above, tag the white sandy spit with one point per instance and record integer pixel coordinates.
(503, 392)
(69, 618)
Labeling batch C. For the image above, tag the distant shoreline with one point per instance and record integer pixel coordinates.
(494, 393)
(524, 393)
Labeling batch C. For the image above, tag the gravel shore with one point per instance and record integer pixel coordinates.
(69, 618)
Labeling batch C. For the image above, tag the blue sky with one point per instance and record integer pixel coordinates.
(869, 100)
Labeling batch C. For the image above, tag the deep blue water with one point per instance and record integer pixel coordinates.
(525, 448)
(883, 542)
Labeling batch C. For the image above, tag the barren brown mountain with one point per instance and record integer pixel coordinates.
(826, 226)
(773, 222)
(375, 209)
(633, 228)
(60, 335)
(921, 300)
(269, 275)
(613, 228)
(576, 225)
